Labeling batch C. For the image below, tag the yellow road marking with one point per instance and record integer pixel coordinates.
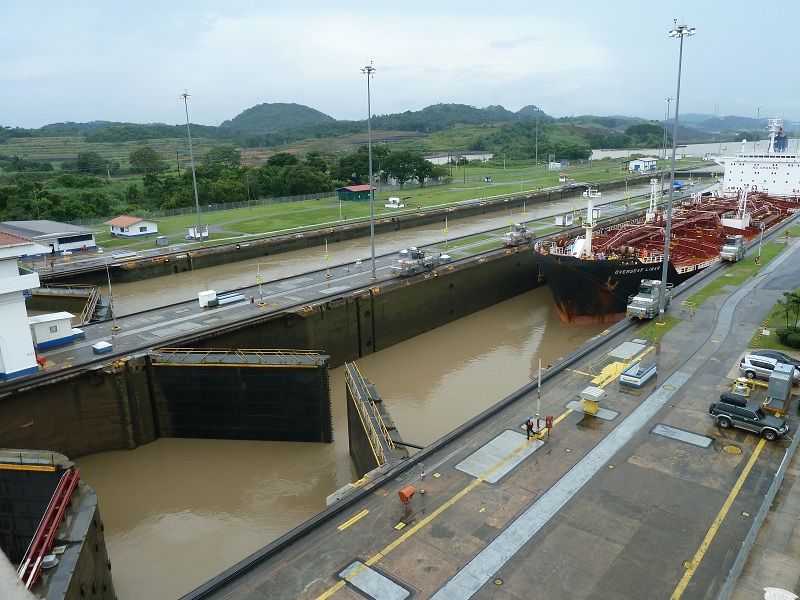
(712, 531)
(411, 531)
(352, 520)
(609, 373)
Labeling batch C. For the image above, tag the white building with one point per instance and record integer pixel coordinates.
(50, 236)
(17, 357)
(643, 165)
(126, 226)
(51, 330)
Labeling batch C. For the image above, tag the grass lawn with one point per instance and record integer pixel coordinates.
(468, 184)
(654, 330)
(775, 320)
(737, 273)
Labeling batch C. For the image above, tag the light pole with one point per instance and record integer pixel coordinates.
(679, 31)
(666, 120)
(115, 327)
(760, 240)
(537, 136)
(199, 233)
(369, 71)
(758, 118)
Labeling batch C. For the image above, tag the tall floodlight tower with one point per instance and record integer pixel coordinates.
(185, 96)
(680, 32)
(369, 71)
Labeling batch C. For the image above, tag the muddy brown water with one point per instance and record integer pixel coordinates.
(179, 511)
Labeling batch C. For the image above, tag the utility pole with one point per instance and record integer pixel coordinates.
(198, 232)
(680, 32)
(369, 71)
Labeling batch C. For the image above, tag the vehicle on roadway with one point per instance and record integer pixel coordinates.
(759, 366)
(412, 261)
(779, 356)
(644, 304)
(517, 235)
(750, 417)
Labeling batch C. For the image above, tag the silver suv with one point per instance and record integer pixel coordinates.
(755, 365)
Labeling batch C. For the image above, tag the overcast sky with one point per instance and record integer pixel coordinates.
(74, 60)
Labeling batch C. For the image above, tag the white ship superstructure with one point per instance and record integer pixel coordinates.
(776, 171)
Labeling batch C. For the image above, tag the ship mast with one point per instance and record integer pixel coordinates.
(588, 226)
(654, 196)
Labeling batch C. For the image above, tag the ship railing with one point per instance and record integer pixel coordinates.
(698, 266)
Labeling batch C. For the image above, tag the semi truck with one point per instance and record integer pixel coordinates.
(644, 303)
(733, 249)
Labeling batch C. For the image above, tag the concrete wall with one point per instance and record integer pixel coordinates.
(112, 408)
(82, 413)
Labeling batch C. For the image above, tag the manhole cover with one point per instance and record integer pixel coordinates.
(732, 449)
(669, 388)
(498, 581)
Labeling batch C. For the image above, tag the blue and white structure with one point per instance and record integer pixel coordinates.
(52, 330)
(17, 356)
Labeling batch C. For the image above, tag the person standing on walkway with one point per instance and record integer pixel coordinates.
(528, 429)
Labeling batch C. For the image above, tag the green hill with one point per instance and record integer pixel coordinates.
(275, 117)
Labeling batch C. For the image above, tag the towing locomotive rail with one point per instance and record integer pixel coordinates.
(335, 510)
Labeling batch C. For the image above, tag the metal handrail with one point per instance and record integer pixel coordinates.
(369, 428)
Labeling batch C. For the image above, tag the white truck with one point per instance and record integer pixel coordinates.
(644, 303)
(517, 235)
(733, 249)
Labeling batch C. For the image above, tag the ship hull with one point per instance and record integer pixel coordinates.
(597, 291)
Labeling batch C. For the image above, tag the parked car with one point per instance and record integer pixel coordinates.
(755, 365)
(779, 356)
(749, 417)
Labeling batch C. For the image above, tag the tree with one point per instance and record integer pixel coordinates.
(315, 160)
(146, 160)
(401, 165)
(90, 162)
(282, 159)
(222, 157)
(422, 169)
(354, 167)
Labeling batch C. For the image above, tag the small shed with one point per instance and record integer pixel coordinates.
(563, 178)
(643, 165)
(126, 226)
(51, 330)
(355, 192)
